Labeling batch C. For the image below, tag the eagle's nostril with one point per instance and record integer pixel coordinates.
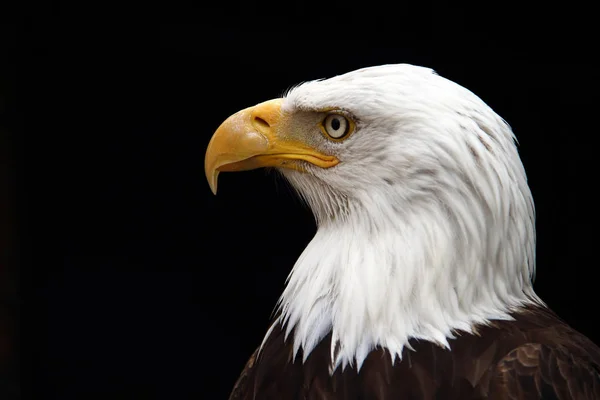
(261, 122)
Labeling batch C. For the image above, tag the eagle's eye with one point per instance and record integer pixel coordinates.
(336, 126)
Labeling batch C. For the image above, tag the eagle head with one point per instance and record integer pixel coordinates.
(425, 219)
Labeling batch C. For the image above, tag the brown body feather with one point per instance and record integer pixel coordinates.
(536, 356)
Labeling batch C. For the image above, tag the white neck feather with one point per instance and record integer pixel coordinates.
(382, 286)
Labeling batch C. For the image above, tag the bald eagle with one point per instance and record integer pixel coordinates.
(418, 282)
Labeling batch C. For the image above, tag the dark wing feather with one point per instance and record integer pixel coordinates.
(534, 356)
(240, 389)
(536, 371)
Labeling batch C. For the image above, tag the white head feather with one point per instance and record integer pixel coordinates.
(425, 227)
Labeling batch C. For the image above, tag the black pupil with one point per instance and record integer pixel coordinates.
(335, 124)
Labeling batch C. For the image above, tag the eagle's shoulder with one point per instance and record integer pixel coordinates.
(543, 357)
(538, 371)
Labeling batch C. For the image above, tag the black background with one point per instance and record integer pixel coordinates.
(139, 281)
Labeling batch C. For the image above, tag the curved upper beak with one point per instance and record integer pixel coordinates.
(254, 138)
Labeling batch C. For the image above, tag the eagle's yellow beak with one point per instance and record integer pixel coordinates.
(254, 138)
